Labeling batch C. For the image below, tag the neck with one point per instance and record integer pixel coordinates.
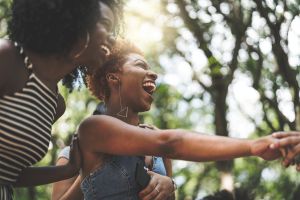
(132, 117)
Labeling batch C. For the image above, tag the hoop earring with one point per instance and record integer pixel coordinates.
(87, 41)
(123, 110)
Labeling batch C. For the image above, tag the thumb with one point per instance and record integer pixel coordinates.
(150, 173)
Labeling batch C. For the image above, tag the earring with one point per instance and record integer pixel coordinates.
(123, 110)
(87, 41)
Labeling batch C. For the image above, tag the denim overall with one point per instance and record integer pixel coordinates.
(115, 180)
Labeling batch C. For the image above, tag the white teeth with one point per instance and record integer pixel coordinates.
(150, 84)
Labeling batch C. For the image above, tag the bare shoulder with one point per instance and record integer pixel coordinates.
(98, 120)
(7, 50)
(7, 59)
(5, 44)
(105, 123)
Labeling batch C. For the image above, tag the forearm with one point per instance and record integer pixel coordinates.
(33, 176)
(119, 138)
(168, 166)
(199, 147)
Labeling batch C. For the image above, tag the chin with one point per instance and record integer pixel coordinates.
(147, 108)
(144, 108)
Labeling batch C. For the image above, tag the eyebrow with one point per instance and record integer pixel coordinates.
(139, 60)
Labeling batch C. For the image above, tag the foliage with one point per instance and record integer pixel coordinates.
(217, 44)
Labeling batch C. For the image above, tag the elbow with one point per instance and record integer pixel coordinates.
(170, 142)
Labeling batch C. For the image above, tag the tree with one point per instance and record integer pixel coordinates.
(231, 38)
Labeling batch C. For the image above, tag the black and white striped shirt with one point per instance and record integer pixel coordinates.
(26, 118)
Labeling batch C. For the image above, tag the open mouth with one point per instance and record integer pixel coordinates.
(149, 87)
(105, 50)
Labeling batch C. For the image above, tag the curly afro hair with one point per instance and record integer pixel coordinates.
(97, 82)
(53, 26)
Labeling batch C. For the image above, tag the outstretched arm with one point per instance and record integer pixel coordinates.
(104, 134)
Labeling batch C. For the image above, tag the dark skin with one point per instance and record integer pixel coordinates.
(70, 188)
(290, 142)
(121, 136)
(50, 70)
(178, 144)
(130, 140)
(137, 101)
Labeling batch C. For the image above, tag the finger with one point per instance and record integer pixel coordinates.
(150, 187)
(285, 134)
(161, 195)
(284, 142)
(283, 151)
(152, 195)
(292, 154)
(151, 173)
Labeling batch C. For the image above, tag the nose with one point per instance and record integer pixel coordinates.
(152, 75)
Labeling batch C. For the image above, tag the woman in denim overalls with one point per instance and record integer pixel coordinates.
(112, 177)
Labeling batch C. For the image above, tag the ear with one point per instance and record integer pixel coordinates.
(112, 78)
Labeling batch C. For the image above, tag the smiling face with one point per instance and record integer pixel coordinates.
(99, 40)
(137, 83)
(125, 73)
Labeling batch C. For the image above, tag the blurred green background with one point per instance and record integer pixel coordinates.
(229, 67)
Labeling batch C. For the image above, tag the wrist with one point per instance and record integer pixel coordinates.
(251, 147)
(174, 184)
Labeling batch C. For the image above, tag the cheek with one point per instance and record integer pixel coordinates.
(100, 33)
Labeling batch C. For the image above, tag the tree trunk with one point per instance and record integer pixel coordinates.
(221, 126)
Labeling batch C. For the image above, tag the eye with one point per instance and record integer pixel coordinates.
(142, 65)
(107, 25)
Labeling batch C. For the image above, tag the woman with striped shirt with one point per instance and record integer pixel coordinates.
(48, 40)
